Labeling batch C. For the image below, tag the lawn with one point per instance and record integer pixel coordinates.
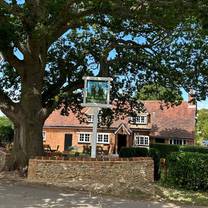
(180, 196)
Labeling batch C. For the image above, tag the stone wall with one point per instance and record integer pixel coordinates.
(90, 175)
(5, 160)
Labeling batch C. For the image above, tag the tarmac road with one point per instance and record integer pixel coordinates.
(22, 195)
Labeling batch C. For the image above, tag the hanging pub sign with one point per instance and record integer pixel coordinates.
(97, 92)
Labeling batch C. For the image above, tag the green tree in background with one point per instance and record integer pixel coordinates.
(6, 130)
(158, 92)
(202, 126)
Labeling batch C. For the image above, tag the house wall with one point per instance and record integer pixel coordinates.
(119, 175)
(167, 141)
(56, 136)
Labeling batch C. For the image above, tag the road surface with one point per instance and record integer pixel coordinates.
(15, 194)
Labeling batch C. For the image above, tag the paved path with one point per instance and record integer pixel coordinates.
(20, 195)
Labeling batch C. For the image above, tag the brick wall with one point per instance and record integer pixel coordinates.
(90, 175)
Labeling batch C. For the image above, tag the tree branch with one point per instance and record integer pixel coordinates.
(12, 8)
(13, 60)
(8, 107)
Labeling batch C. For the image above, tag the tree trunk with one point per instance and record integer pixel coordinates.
(28, 142)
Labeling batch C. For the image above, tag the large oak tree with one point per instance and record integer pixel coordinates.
(48, 46)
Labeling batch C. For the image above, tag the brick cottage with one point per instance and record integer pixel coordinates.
(173, 125)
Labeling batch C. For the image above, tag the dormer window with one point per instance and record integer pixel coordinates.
(90, 118)
(139, 119)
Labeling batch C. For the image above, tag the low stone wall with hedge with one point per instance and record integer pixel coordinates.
(116, 175)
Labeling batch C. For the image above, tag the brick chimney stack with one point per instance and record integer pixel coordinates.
(192, 97)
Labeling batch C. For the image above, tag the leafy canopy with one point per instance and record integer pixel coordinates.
(202, 125)
(127, 40)
(158, 92)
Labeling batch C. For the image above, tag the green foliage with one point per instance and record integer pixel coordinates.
(198, 149)
(158, 92)
(134, 152)
(4, 121)
(188, 170)
(165, 149)
(202, 126)
(6, 130)
(144, 152)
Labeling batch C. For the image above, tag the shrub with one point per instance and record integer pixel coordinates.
(188, 170)
(194, 149)
(165, 149)
(6, 134)
(134, 152)
(144, 152)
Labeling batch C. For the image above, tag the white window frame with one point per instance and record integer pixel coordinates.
(84, 139)
(183, 141)
(90, 118)
(44, 135)
(141, 119)
(138, 138)
(103, 135)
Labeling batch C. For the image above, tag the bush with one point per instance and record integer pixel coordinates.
(134, 152)
(188, 170)
(6, 134)
(165, 149)
(198, 149)
(144, 152)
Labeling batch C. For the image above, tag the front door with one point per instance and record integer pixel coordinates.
(122, 141)
(67, 141)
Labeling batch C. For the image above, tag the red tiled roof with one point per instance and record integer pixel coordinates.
(172, 122)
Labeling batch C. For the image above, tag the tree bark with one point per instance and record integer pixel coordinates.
(28, 141)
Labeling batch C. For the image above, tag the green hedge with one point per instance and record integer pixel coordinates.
(134, 152)
(188, 170)
(144, 152)
(198, 149)
(165, 149)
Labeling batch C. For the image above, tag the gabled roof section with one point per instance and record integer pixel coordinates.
(124, 129)
(172, 122)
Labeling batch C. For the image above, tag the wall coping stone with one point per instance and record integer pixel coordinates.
(79, 159)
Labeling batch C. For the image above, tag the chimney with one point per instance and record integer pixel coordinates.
(192, 97)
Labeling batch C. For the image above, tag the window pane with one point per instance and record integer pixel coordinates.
(146, 140)
(141, 140)
(81, 137)
(87, 137)
(100, 137)
(106, 138)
